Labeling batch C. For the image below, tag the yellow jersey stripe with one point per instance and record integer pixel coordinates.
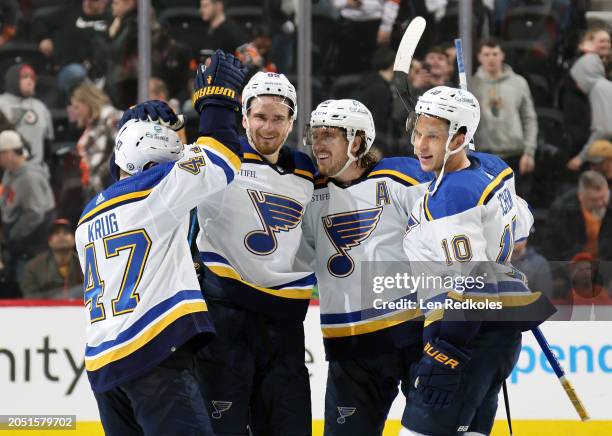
(115, 201)
(372, 326)
(506, 300)
(252, 156)
(151, 332)
(295, 294)
(426, 208)
(493, 185)
(397, 174)
(433, 316)
(304, 173)
(221, 149)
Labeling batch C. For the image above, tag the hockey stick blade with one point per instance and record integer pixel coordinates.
(408, 45)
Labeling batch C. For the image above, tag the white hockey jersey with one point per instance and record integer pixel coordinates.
(250, 234)
(140, 287)
(356, 230)
(468, 229)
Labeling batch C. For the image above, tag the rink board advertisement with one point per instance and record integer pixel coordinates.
(42, 370)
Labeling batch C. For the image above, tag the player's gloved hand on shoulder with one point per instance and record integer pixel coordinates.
(156, 111)
(220, 83)
(439, 371)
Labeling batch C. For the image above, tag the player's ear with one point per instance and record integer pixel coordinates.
(244, 122)
(356, 144)
(457, 140)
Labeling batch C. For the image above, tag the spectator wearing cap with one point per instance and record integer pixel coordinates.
(599, 156)
(27, 204)
(29, 115)
(55, 273)
(580, 220)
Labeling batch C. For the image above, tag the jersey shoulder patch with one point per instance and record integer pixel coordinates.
(304, 167)
(468, 188)
(130, 189)
(404, 170)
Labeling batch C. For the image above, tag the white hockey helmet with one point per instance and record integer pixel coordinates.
(269, 84)
(347, 114)
(139, 143)
(458, 106)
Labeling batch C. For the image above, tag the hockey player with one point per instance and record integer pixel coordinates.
(467, 223)
(254, 373)
(355, 223)
(146, 311)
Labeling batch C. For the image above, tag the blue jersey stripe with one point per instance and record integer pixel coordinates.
(145, 320)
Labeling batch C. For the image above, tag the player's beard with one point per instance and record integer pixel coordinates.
(268, 147)
(331, 169)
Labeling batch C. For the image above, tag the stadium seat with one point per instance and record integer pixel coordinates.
(184, 24)
(540, 90)
(47, 90)
(529, 23)
(550, 127)
(161, 5)
(247, 16)
(346, 86)
(41, 4)
(64, 131)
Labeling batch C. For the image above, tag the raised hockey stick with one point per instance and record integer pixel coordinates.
(408, 44)
(405, 51)
(460, 64)
(560, 373)
(462, 76)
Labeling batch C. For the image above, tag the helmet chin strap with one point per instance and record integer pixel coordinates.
(448, 153)
(351, 159)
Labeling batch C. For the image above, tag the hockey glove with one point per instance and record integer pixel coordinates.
(438, 373)
(220, 83)
(156, 111)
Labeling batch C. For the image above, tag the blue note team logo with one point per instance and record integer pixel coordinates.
(345, 231)
(277, 213)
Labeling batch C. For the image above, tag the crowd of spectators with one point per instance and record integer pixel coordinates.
(542, 77)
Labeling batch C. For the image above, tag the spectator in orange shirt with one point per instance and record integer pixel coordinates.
(580, 220)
